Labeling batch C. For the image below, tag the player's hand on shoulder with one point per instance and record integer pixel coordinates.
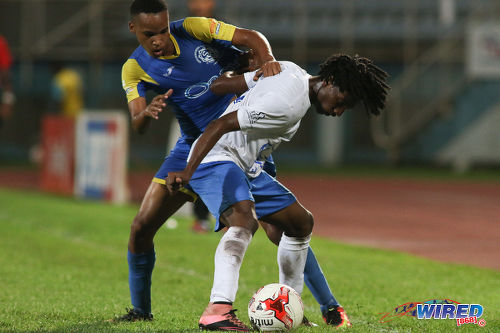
(157, 105)
(177, 179)
(269, 68)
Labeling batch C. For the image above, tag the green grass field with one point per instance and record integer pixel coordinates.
(63, 269)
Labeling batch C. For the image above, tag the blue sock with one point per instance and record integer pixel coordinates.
(316, 282)
(140, 269)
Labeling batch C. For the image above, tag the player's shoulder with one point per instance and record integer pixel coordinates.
(290, 91)
(208, 30)
(292, 67)
(177, 28)
(191, 27)
(291, 76)
(293, 72)
(138, 54)
(139, 59)
(191, 23)
(136, 65)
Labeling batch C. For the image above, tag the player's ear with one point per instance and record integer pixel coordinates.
(131, 26)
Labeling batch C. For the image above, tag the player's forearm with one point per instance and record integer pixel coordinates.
(140, 122)
(137, 108)
(229, 83)
(142, 113)
(213, 132)
(255, 41)
(205, 143)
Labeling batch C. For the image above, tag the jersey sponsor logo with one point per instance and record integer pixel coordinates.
(196, 90)
(204, 54)
(254, 116)
(169, 71)
(217, 29)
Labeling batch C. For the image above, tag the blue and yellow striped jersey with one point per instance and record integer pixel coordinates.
(203, 51)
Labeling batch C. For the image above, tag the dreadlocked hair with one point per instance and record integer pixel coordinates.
(359, 77)
(147, 6)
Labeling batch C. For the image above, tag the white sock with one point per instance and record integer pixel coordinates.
(292, 255)
(228, 258)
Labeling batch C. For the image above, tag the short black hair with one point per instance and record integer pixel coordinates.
(147, 6)
(359, 77)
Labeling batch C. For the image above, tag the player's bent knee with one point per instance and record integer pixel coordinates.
(241, 214)
(273, 232)
(141, 227)
(248, 222)
(309, 224)
(301, 226)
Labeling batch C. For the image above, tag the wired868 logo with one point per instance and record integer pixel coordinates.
(439, 309)
(463, 313)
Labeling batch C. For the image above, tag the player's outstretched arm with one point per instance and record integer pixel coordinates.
(204, 144)
(237, 82)
(142, 113)
(229, 83)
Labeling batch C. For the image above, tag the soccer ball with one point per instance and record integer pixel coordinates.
(275, 307)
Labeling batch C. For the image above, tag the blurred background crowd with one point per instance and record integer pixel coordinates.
(443, 57)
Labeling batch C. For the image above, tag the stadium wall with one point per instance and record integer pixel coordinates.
(357, 146)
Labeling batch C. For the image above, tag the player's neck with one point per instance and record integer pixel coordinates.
(170, 48)
(314, 86)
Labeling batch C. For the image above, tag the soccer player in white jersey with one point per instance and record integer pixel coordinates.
(225, 166)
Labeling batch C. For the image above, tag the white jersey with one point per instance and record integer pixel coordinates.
(268, 113)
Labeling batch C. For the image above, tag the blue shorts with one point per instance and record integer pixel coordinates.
(176, 161)
(222, 184)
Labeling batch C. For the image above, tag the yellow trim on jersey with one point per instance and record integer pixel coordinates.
(132, 74)
(159, 181)
(208, 29)
(184, 190)
(177, 50)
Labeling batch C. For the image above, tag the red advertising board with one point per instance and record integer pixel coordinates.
(58, 161)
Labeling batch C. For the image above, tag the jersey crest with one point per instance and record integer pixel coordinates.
(206, 54)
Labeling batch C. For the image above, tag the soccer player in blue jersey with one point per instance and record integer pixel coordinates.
(179, 60)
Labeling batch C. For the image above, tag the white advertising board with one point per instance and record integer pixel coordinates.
(101, 156)
(483, 50)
